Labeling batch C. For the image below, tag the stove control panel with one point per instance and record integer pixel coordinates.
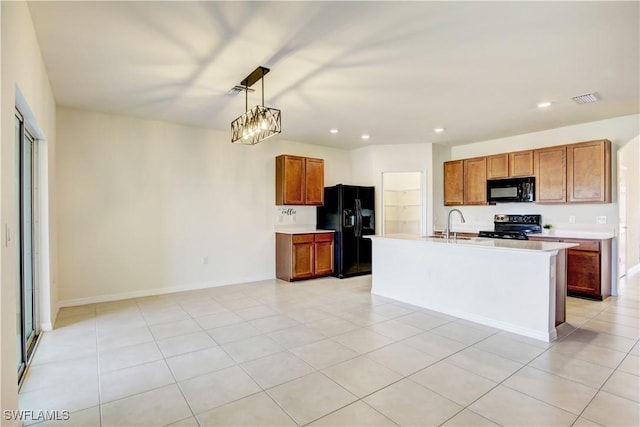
(517, 219)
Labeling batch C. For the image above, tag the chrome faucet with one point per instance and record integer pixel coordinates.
(447, 232)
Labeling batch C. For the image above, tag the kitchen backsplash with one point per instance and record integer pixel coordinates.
(595, 217)
(294, 217)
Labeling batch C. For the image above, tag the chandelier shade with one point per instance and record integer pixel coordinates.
(260, 122)
(256, 125)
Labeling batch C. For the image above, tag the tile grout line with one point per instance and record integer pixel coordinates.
(366, 354)
(164, 359)
(605, 382)
(403, 377)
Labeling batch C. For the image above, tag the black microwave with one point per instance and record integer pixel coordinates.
(511, 190)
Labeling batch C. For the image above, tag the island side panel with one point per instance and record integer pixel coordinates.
(509, 290)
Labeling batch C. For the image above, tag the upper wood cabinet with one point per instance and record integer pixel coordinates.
(509, 165)
(521, 163)
(589, 172)
(465, 182)
(550, 166)
(299, 180)
(453, 183)
(573, 173)
(498, 166)
(314, 182)
(475, 181)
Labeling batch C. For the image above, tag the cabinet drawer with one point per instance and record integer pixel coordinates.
(544, 239)
(324, 237)
(303, 238)
(584, 245)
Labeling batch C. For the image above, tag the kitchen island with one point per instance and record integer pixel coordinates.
(517, 286)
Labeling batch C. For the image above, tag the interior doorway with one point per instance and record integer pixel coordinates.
(629, 208)
(402, 203)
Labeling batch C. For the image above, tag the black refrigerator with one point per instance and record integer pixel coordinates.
(349, 210)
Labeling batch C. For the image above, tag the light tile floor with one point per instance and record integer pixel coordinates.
(327, 352)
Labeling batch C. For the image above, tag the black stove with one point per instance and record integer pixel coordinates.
(516, 227)
(515, 235)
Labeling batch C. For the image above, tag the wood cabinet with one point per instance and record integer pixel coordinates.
(589, 172)
(550, 166)
(453, 183)
(521, 163)
(588, 267)
(510, 165)
(498, 166)
(303, 256)
(314, 182)
(475, 181)
(323, 254)
(299, 180)
(574, 173)
(465, 182)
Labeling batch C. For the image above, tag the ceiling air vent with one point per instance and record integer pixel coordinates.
(239, 89)
(587, 98)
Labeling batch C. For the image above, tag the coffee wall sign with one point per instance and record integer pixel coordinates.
(287, 211)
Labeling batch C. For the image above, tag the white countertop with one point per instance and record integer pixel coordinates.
(303, 231)
(558, 233)
(573, 234)
(479, 242)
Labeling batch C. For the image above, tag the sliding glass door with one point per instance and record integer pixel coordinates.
(27, 324)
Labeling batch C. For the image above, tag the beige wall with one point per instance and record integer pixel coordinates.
(143, 203)
(368, 164)
(24, 84)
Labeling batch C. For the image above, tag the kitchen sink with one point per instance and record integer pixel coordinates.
(451, 238)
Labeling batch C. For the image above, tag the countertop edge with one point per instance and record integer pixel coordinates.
(303, 231)
(482, 243)
(558, 234)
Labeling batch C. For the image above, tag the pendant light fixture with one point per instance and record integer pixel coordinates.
(260, 122)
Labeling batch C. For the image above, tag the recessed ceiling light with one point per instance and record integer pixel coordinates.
(365, 136)
(438, 130)
(334, 130)
(544, 104)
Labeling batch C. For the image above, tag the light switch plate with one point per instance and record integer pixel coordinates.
(601, 219)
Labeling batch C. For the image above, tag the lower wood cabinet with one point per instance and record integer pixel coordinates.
(303, 256)
(588, 267)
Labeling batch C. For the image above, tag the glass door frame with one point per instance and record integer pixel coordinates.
(25, 241)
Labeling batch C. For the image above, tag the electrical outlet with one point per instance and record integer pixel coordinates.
(205, 260)
(601, 219)
(572, 219)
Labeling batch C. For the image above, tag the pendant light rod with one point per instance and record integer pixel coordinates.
(255, 75)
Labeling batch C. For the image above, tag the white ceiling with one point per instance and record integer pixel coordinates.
(394, 70)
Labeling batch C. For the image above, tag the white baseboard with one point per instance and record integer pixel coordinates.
(633, 270)
(152, 292)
